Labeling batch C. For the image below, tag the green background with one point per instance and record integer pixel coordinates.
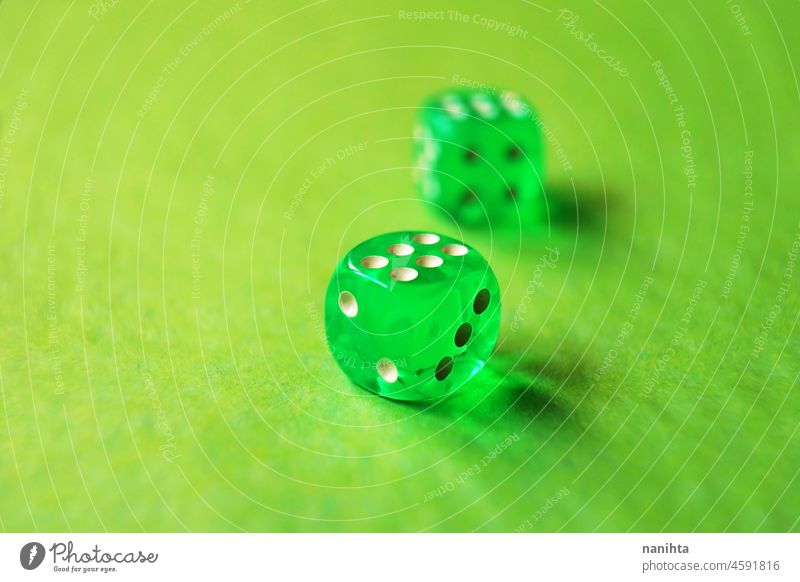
(178, 180)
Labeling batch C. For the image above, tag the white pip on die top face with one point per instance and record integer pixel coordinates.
(401, 254)
(453, 105)
(514, 104)
(484, 105)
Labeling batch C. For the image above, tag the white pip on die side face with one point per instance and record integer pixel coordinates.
(425, 161)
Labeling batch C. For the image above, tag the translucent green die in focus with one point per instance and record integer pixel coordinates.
(412, 315)
(479, 157)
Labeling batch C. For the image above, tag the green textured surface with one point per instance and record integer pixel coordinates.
(177, 184)
(412, 315)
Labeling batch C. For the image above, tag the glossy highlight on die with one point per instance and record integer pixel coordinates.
(479, 158)
(412, 315)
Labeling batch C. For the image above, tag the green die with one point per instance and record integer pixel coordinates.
(479, 157)
(412, 315)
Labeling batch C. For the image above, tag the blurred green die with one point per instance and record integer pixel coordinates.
(479, 157)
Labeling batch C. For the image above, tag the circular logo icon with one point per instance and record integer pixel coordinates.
(31, 555)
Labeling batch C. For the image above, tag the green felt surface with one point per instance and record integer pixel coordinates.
(179, 179)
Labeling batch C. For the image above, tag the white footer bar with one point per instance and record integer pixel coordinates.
(401, 557)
